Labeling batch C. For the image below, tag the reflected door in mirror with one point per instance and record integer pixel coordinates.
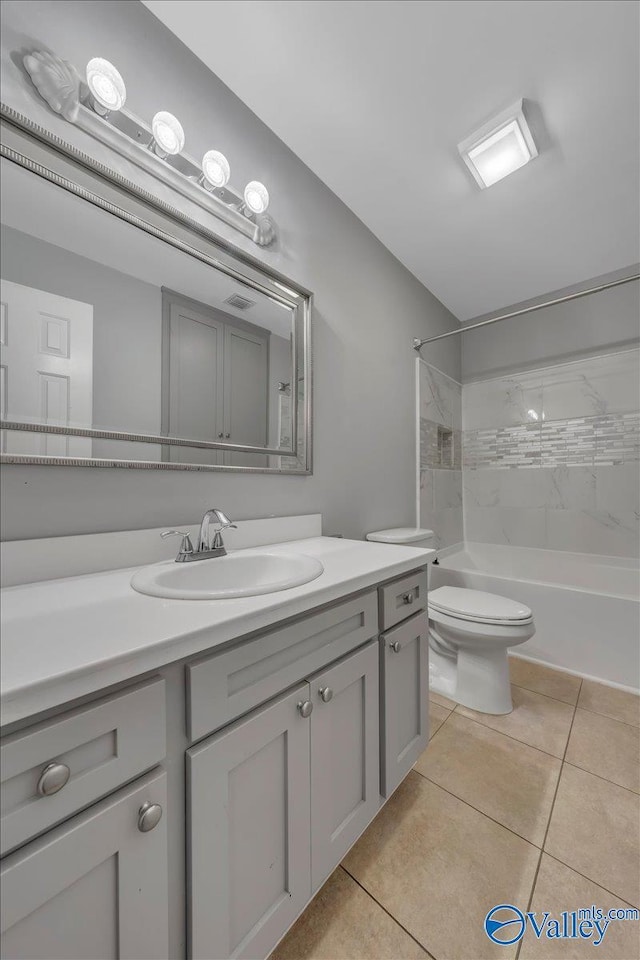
(46, 368)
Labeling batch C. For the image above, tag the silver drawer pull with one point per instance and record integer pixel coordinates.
(326, 693)
(408, 597)
(395, 646)
(305, 708)
(149, 816)
(53, 778)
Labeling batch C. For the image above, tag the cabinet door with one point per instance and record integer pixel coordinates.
(249, 831)
(405, 699)
(345, 750)
(92, 889)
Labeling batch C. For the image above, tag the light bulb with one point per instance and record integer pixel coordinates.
(256, 196)
(215, 168)
(167, 133)
(106, 86)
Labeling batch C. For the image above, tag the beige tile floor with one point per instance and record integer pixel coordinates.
(540, 808)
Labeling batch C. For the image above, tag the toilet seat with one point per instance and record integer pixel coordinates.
(461, 603)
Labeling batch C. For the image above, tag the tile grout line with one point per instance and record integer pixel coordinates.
(577, 704)
(477, 809)
(614, 783)
(590, 880)
(508, 735)
(548, 695)
(546, 832)
(388, 913)
(594, 713)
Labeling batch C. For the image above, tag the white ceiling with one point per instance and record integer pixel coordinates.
(374, 95)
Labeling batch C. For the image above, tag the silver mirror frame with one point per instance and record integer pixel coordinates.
(36, 149)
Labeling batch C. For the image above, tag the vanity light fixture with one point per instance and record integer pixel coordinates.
(106, 86)
(97, 107)
(168, 135)
(215, 170)
(499, 147)
(256, 196)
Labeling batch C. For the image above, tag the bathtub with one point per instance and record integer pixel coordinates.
(586, 607)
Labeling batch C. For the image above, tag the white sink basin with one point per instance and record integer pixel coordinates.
(247, 573)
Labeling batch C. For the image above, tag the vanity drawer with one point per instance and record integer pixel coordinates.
(103, 745)
(229, 684)
(403, 598)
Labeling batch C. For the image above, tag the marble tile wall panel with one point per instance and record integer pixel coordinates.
(569, 480)
(441, 505)
(593, 387)
(440, 397)
(441, 452)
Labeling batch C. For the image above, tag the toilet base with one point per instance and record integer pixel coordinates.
(478, 681)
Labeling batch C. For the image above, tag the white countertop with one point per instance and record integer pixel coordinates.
(63, 639)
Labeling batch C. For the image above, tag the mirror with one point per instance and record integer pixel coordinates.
(133, 351)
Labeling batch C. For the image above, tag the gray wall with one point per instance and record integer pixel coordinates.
(599, 323)
(367, 305)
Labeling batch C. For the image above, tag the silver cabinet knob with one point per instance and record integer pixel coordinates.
(53, 778)
(395, 646)
(227, 435)
(305, 708)
(220, 436)
(149, 816)
(326, 693)
(408, 597)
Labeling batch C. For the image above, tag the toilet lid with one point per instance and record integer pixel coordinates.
(401, 535)
(477, 605)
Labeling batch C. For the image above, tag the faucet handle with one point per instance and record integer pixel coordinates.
(186, 547)
(223, 519)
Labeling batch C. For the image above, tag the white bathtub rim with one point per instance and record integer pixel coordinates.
(575, 673)
(590, 559)
(479, 571)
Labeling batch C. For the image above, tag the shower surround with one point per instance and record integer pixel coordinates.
(440, 454)
(551, 457)
(545, 458)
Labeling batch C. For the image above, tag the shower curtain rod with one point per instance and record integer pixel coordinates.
(417, 343)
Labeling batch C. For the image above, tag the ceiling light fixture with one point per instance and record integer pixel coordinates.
(106, 86)
(168, 135)
(256, 196)
(500, 147)
(215, 170)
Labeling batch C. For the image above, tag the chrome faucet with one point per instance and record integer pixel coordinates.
(205, 543)
(208, 546)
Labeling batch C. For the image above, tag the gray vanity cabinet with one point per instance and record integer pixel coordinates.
(94, 888)
(345, 741)
(404, 683)
(249, 830)
(276, 800)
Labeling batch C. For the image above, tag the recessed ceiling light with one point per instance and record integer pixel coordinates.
(500, 147)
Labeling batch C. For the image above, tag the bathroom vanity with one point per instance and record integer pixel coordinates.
(180, 777)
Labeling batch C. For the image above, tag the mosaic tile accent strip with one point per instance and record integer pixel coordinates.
(440, 446)
(608, 439)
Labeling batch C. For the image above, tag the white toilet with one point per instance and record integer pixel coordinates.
(470, 633)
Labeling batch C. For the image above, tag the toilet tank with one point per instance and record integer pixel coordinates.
(406, 536)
